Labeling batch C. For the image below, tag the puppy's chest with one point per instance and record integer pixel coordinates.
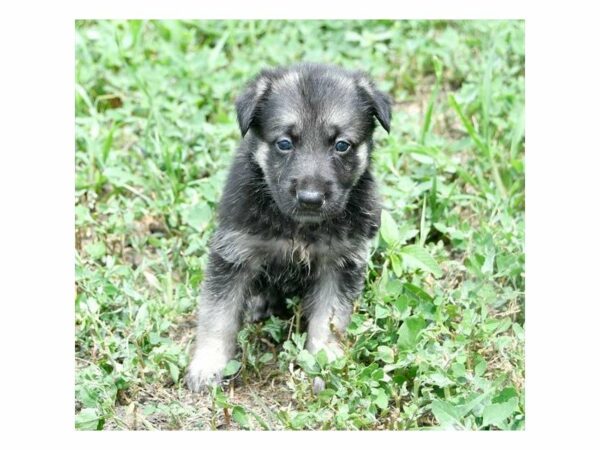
(289, 253)
(312, 255)
(298, 251)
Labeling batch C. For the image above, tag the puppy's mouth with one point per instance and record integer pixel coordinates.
(308, 216)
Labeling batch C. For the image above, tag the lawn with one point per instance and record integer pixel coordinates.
(437, 339)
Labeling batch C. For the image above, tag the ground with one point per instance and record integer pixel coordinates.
(437, 339)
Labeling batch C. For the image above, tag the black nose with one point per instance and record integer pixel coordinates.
(310, 199)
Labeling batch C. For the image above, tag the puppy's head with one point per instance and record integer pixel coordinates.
(311, 134)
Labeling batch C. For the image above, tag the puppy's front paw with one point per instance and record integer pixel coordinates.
(205, 370)
(332, 348)
(199, 381)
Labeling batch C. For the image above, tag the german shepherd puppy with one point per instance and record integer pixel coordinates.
(298, 211)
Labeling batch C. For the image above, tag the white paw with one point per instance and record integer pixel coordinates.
(206, 368)
(332, 349)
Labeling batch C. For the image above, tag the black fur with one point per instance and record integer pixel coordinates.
(267, 247)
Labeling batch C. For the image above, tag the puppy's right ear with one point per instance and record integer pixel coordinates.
(248, 102)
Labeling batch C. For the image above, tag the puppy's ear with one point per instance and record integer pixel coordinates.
(247, 103)
(380, 102)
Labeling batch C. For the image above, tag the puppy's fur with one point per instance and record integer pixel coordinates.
(293, 221)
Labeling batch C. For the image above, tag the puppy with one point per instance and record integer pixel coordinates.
(298, 211)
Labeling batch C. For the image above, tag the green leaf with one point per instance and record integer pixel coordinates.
(326, 394)
(240, 415)
(96, 250)
(82, 215)
(307, 361)
(487, 268)
(518, 131)
(381, 312)
(472, 401)
(505, 395)
(266, 358)
(418, 257)
(231, 368)
(119, 176)
(88, 419)
(458, 370)
(385, 354)
(107, 145)
(402, 307)
(439, 379)
(174, 372)
(299, 420)
(378, 374)
(299, 339)
(393, 287)
(445, 413)
(469, 126)
(480, 367)
(381, 399)
(416, 293)
(496, 413)
(198, 216)
(389, 228)
(321, 358)
(260, 420)
(518, 330)
(141, 317)
(273, 326)
(396, 265)
(221, 400)
(409, 332)
(427, 120)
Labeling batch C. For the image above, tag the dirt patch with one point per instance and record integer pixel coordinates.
(174, 407)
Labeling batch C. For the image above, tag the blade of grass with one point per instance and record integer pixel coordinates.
(486, 150)
(518, 132)
(80, 90)
(107, 144)
(485, 95)
(423, 231)
(434, 93)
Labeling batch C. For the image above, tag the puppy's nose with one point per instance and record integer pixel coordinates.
(310, 199)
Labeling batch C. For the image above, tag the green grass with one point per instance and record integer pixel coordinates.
(437, 339)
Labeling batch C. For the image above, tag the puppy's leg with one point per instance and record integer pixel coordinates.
(328, 311)
(219, 319)
(329, 307)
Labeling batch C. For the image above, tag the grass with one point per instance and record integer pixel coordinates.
(437, 340)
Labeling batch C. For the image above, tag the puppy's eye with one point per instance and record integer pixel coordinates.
(341, 146)
(284, 145)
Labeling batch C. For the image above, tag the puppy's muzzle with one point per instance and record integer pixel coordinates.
(309, 199)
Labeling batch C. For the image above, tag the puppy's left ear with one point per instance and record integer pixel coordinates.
(248, 102)
(379, 101)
